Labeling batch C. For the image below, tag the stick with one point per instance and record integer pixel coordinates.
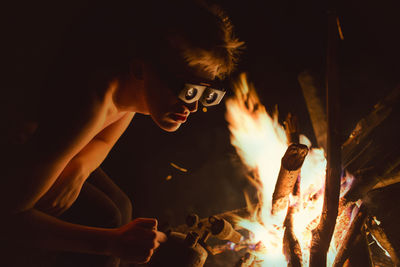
(322, 234)
(350, 238)
(290, 169)
(292, 129)
(315, 107)
(291, 246)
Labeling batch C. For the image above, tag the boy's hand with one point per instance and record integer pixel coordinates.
(63, 192)
(136, 241)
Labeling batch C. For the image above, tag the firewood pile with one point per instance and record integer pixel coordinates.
(372, 155)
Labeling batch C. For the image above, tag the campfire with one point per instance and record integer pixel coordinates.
(289, 176)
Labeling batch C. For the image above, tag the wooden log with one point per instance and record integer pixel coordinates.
(380, 235)
(354, 145)
(363, 185)
(387, 181)
(315, 107)
(290, 168)
(350, 238)
(360, 255)
(384, 204)
(322, 234)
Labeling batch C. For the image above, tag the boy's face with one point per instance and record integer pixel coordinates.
(162, 85)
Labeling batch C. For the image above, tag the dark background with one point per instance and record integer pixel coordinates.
(282, 39)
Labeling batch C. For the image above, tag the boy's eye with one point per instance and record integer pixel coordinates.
(211, 97)
(191, 93)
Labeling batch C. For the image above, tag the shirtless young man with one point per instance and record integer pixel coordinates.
(108, 72)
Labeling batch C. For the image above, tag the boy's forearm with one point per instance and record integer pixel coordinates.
(91, 157)
(94, 153)
(37, 229)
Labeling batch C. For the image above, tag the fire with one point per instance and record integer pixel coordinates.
(261, 142)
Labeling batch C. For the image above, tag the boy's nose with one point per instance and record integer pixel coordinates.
(192, 107)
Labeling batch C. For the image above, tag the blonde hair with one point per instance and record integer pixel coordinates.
(222, 59)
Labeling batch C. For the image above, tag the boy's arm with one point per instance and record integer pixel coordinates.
(94, 153)
(134, 242)
(67, 187)
(62, 135)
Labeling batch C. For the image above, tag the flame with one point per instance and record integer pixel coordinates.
(261, 142)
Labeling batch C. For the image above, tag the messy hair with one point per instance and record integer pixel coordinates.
(201, 33)
(109, 35)
(223, 58)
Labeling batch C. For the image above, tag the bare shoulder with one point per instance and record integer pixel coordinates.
(69, 120)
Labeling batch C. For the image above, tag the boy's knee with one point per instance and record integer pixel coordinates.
(112, 218)
(126, 208)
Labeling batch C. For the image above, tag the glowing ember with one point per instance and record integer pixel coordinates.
(261, 142)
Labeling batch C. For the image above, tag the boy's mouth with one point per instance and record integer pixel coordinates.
(181, 118)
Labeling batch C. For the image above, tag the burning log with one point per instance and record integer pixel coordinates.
(360, 254)
(322, 234)
(315, 107)
(380, 235)
(353, 233)
(246, 260)
(291, 246)
(288, 174)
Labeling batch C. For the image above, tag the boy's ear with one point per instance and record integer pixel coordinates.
(137, 69)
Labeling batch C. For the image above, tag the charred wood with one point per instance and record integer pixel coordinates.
(354, 233)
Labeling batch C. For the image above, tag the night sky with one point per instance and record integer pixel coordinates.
(283, 38)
